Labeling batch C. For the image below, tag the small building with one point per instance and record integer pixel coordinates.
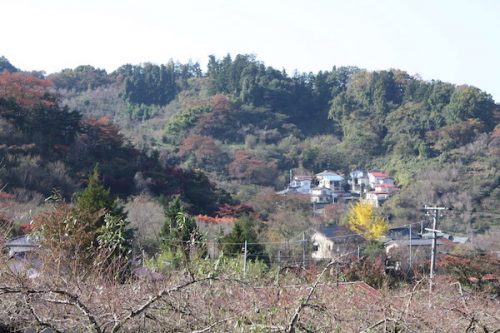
(334, 240)
(321, 195)
(422, 243)
(331, 180)
(401, 233)
(359, 181)
(301, 183)
(387, 188)
(23, 257)
(378, 177)
(377, 198)
(20, 246)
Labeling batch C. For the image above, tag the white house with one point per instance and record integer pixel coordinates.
(359, 181)
(301, 184)
(332, 180)
(321, 195)
(385, 187)
(379, 177)
(377, 198)
(333, 241)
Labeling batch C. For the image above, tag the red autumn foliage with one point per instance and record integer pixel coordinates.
(102, 132)
(465, 266)
(26, 228)
(221, 103)
(227, 210)
(202, 147)
(248, 168)
(27, 91)
(215, 220)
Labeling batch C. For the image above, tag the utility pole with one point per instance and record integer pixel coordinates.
(303, 249)
(410, 270)
(245, 260)
(435, 215)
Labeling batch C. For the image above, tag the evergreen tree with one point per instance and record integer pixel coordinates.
(245, 229)
(94, 198)
(104, 218)
(179, 232)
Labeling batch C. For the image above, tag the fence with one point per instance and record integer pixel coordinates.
(298, 251)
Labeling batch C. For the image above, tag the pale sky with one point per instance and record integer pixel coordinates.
(456, 41)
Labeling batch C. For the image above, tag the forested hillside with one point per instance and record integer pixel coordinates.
(227, 134)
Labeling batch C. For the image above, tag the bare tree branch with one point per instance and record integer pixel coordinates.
(39, 319)
(153, 299)
(408, 302)
(208, 328)
(303, 303)
(72, 299)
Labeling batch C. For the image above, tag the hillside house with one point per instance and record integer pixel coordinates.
(359, 181)
(331, 180)
(378, 177)
(386, 188)
(301, 184)
(377, 198)
(20, 246)
(23, 259)
(398, 233)
(321, 195)
(334, 240)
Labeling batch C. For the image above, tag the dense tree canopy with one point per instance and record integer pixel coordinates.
(241, 125)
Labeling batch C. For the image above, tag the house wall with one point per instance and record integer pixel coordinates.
(356, 184)
(329, 248)
(321, 195)
(324, 245)
(303, 186)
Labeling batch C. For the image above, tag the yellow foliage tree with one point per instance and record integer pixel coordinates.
(363, 219)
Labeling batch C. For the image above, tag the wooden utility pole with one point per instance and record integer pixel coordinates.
(303, 249)
(435, 215)
(245, 260)
(410, 261)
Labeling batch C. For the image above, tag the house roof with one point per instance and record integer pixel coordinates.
(414, 242)
(385, 185)
(377, 192)
(21, 244)
(318, 188)
(21, 241)
(358, 173)
(302, 177)
(405, 230)
(378, 174)
(335, 230)
(330, 175)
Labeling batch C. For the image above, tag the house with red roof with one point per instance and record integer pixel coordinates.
(386, 188)
(379, 177)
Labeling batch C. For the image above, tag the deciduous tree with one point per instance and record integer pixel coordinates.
(364, 220)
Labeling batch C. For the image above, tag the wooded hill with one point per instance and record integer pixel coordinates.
(222, 135)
